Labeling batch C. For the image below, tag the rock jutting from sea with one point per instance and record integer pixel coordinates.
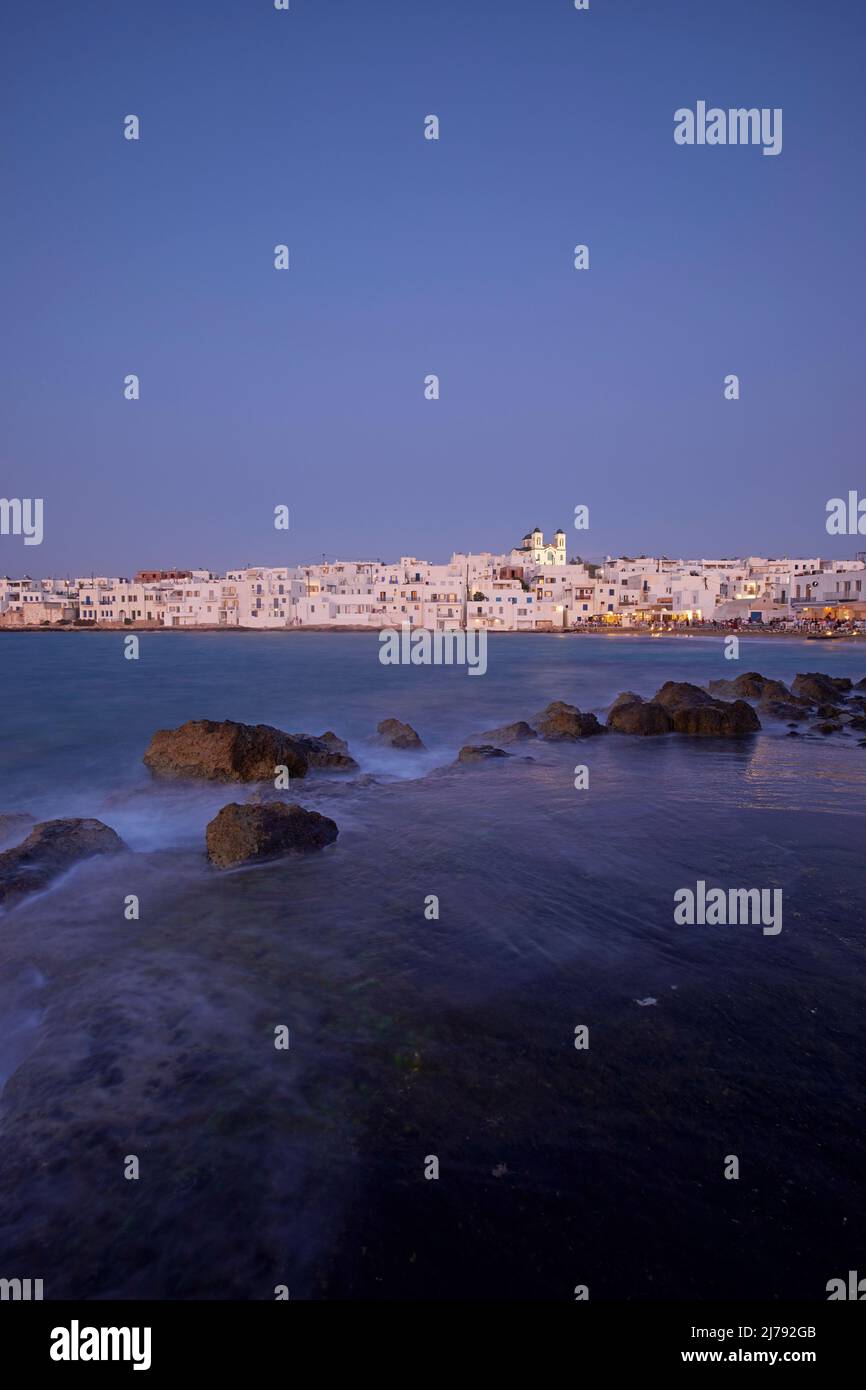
(252, 834)
(226, 751)
(50, 849)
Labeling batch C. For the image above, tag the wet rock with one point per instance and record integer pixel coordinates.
(819, 689)
(861, 684)
(398, 735)
(783, 709)
(828, 727)
(14, 825)
(334, 742)
(716, 720)
(700, 715)
(564, 723)
(251, 834)
(676, 695)
(507, 733)
(749, 686)
(327, 751)
(480, 753)
(625, 697)
(224, 751)
(52, 847)
(793, 733)
(828, 712)
(637, 716)
(857, 721)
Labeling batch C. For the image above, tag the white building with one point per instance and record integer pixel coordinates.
(534, 550)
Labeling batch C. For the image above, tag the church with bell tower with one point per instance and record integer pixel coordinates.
(534, 550)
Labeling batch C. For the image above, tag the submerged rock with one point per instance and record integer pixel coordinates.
(225, 751)
(507, 733)
(250, 834)
(397, 734)
(326, 751)
(637, 716)
(783, 709)
(819, 689)
(480, 753)
(52, 847)
(561, 722)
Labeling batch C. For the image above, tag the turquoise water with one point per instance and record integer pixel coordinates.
(411, 1037)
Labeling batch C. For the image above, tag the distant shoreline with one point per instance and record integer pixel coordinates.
(618, 632)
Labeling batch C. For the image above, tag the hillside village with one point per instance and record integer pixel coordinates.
(534, 587)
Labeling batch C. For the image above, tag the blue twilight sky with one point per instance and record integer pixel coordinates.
(411, 257)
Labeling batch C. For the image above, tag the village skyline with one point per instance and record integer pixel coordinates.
(534, 586)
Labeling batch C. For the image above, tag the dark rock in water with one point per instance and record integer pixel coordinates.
(819, 689)
(793, 733)
(829, 727)
(700, 715)
(857, 721)
(625, 697)
(676, 695)
(749, 686)
(828, 712)
(507, 733)
(251, 834)
(861, 684)
(224, 752)
(716, 720)
(776, 690)
(480, 753)
(398, 735)
(328, 751)
(14, 825)
(639, 716)
(783, 709)
(564, 723)
(52, 847)
(334, 742)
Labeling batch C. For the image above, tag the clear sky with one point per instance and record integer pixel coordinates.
(305, 388)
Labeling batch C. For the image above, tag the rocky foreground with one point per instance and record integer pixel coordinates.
(49, 850)
(266, 827)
